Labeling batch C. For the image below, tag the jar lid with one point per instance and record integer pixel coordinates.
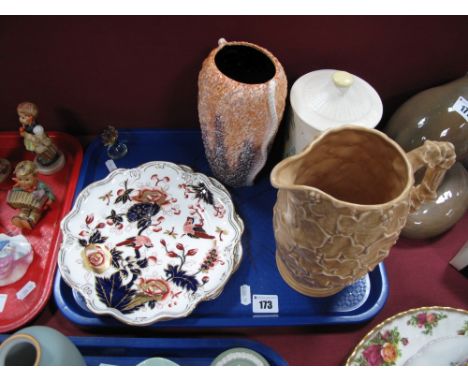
(330, 98)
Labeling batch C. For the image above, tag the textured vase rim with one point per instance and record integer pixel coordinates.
(286, 162)
(26, 338)
(278, 67)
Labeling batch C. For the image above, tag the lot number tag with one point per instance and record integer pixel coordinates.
(24, 291)
(263, 303)
(461, 107)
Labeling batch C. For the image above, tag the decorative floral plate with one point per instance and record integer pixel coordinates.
(415, 336)
(150, 243)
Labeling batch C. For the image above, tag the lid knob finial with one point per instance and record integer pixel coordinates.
(342, 79)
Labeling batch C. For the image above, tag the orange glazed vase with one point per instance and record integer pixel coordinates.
(242, 92)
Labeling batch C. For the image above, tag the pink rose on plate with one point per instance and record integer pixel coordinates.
(431, 318)
(422, 319)
(96, 257)
(157, 289)
(373, 355)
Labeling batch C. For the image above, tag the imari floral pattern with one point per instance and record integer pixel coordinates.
(150, 243)
(400, 338)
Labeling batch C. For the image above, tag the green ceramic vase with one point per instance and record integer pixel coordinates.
(39, 346)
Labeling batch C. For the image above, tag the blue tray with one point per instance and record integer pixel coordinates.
(355, 304)
(183, 351)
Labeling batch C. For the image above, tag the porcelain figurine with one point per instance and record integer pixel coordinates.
(48, 159)
(16, 255)
(110, 139)
(343, 201)
(242, 91)
(39, 346)
(5, 169)
(434, 217)
(30, 195)
(328, 98)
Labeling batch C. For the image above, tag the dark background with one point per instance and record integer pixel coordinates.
(86, 72)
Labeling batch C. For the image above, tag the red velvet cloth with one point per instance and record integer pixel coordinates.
(419, 275)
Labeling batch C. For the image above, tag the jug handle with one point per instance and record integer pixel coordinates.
(437, 157)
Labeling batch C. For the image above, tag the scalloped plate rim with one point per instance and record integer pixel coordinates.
(237, 252)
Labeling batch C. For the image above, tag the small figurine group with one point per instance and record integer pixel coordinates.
(30, 195)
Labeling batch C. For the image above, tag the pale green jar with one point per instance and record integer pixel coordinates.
(39, 346)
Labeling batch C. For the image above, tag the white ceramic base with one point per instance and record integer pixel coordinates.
(53, 168)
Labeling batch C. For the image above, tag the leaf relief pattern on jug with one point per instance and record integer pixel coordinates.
(328, 245)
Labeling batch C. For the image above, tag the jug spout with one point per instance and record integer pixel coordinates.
(284, 174)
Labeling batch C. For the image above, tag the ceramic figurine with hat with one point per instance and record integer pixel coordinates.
(31, 196)
(48, 158)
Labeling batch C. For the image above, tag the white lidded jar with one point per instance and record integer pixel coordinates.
(329, 98)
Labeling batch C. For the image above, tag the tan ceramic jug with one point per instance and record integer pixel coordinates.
(343, 201)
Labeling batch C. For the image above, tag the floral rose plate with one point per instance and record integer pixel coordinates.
(150, 243)
(416, 337)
